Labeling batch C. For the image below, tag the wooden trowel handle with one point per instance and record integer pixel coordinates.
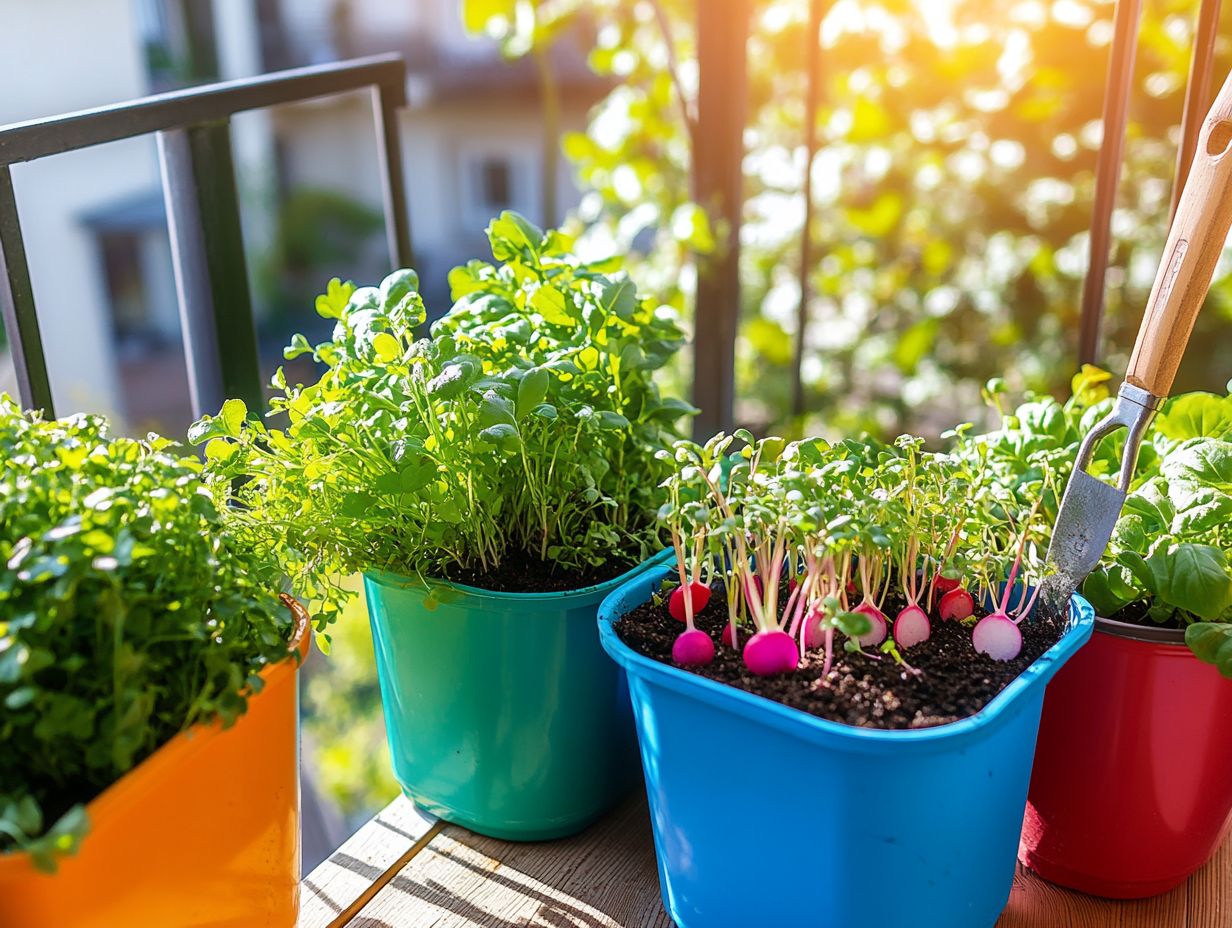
(1194, 245)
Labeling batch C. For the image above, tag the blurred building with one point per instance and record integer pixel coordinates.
(94, 222)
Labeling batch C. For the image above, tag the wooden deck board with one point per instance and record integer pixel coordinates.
(372, 856)
(442, 876)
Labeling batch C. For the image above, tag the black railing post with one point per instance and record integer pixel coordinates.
(1108, 172)
(211, 277)
(386, 102)
(17, 306)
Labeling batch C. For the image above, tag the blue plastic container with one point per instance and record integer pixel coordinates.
(502, 711)
(765, 816)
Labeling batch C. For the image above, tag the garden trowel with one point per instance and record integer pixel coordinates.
(1090, 507)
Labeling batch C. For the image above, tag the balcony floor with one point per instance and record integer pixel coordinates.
(405, 869)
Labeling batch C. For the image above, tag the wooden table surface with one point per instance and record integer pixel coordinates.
(405, 869)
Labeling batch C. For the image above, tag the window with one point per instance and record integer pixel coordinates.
(496, 184)
(491, 181)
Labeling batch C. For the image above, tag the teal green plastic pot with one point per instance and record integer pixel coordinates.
(503, 713)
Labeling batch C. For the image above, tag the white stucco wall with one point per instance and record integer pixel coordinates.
(330, 144)
(57, 56)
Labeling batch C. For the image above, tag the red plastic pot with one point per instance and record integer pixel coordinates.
(1132, 786)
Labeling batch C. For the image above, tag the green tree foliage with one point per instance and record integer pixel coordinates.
(953, 189)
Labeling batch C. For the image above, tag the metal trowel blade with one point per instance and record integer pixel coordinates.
(1089, 513)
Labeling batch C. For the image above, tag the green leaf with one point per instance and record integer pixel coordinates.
(228, 423)
(550, 303)
(495, 410)
(1194, 578)
(1200, 460)
(233, 414)
(1212, 642)
(853, 624)
(220, 450)
(453, 380)
(387, 347)
(1106, 591)
(332, 303)
(502, 435)
(671, 409)
(1200, 509)
(1153, 505)
(1130, 534)
(397, 286)
(512, 236)
(299, 346)
(531, 391)
(1089, 385)
(611, 420)
(618, 298)
(1195, 415)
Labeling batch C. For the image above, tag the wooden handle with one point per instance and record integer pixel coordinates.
(1195, 242)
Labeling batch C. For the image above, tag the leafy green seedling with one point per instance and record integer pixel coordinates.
(131, 611)
(526, 426)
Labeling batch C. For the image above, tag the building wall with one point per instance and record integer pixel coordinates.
(61, 55)
(57, 56)
(330, 144)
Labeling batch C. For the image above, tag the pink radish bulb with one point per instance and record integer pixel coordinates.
(815, 629)
(997, 636)
(911, 627)
(944, 584)
(693, 648)
(771, 652)
(877, 620)
(699, 594)
(727, 635)
(957, 604)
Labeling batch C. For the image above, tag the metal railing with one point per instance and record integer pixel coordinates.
(203, 216)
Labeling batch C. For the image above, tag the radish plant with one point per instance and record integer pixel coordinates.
(813, 542)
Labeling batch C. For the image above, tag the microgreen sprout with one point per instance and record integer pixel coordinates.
(524, 428)
(130, 610)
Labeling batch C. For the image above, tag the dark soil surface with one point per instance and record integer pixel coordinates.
(1136, 614)
(519, 572)
(867, 690)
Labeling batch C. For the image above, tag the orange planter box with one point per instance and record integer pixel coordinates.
(204, 832)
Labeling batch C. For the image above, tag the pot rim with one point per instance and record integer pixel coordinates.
(181, 747)
(798, 723)
(389, 578)
(1144, 633)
